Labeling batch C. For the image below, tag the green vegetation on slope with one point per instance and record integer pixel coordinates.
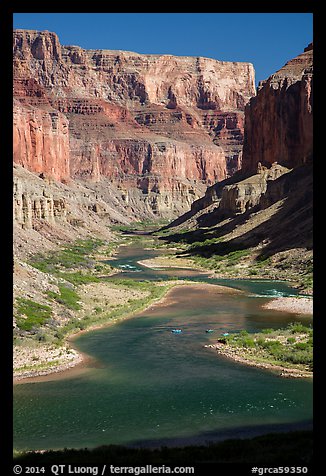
(212, 249)
(31, 314)
(141, 225)
(67, 296)
(71, 257)
(74, 265)
(103, 317)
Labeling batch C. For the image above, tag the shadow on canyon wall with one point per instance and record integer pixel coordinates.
(290, 227)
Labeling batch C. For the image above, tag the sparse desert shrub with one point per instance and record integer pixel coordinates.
(260, 341)
(302, 345)
(248, 342)
(297, 327)
(290, 340)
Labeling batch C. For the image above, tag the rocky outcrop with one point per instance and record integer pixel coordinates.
(45, 210)
(31, 206)
(166, 125)
(282, 113)
(246, 194)
(234, 196)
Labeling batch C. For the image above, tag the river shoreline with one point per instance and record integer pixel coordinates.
(80, 362)
(240, 356)
(74, 362)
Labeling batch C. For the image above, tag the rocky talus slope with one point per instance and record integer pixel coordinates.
(47, 212)
(266, 206)
(158, 127)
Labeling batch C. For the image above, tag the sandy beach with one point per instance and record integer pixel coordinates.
(172, 262)
(75, 366)
(291, 304)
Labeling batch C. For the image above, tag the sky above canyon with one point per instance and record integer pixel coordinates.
(268, 40)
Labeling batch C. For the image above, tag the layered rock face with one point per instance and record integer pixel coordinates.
(165, 126)
(41, 140)
(47, 212)
(33, 205)
(279, 120)
(276, 167)
(246, 194)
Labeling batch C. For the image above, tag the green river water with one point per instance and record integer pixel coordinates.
(150, 387)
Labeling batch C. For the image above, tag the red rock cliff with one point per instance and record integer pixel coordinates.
(277, 152)
(41, 141)
(279, 120)
(160, 124)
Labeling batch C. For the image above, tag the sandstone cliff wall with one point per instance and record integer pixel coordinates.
(121, 76)
(175, 123)
(48, 211)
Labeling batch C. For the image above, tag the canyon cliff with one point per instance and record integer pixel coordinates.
(282, 112)
(266, 206)
(104, 138)
(159, 128)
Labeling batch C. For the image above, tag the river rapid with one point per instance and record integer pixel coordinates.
(146, 386)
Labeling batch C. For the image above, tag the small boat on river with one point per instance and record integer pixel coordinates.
(209, 330)
(176, 331)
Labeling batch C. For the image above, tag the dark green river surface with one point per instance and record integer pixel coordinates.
(151, 387)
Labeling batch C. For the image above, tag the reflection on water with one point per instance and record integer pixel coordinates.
(152, 384)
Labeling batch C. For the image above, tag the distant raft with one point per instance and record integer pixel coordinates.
(225, 334)
(209, 330)
(176, 331)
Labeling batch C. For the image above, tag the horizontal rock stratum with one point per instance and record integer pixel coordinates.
(161, 128)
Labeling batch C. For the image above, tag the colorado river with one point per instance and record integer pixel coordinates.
(150, 386)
